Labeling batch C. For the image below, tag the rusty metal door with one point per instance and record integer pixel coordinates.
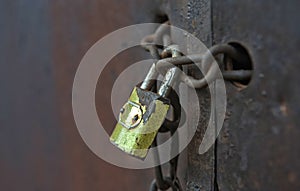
(42, 43)
(258, 147)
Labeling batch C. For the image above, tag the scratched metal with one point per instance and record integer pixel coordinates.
(195, 17)
(258, 148)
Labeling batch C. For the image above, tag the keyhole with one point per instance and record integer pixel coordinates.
(135, 118)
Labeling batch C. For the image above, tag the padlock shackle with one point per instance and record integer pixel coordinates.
(172, 76)
(170, 80)
(150, 79)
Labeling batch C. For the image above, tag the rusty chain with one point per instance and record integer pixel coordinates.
(161, 39)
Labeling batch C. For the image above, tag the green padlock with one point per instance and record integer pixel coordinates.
(143, 114)
(139, 121)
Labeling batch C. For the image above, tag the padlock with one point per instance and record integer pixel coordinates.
(143, 114)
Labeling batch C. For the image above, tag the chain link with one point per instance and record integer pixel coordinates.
(203, 61)
(152, 43)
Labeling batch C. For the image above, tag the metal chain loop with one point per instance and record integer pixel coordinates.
(203, 61)
(163, 63)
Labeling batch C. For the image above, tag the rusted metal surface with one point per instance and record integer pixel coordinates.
(42, 43)
(195, 17)
(258, 148)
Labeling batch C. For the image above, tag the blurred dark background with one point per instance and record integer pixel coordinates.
(41, 44)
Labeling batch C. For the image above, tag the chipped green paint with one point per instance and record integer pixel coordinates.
(136, 141)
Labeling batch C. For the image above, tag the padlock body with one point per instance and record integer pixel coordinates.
(139, 121)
